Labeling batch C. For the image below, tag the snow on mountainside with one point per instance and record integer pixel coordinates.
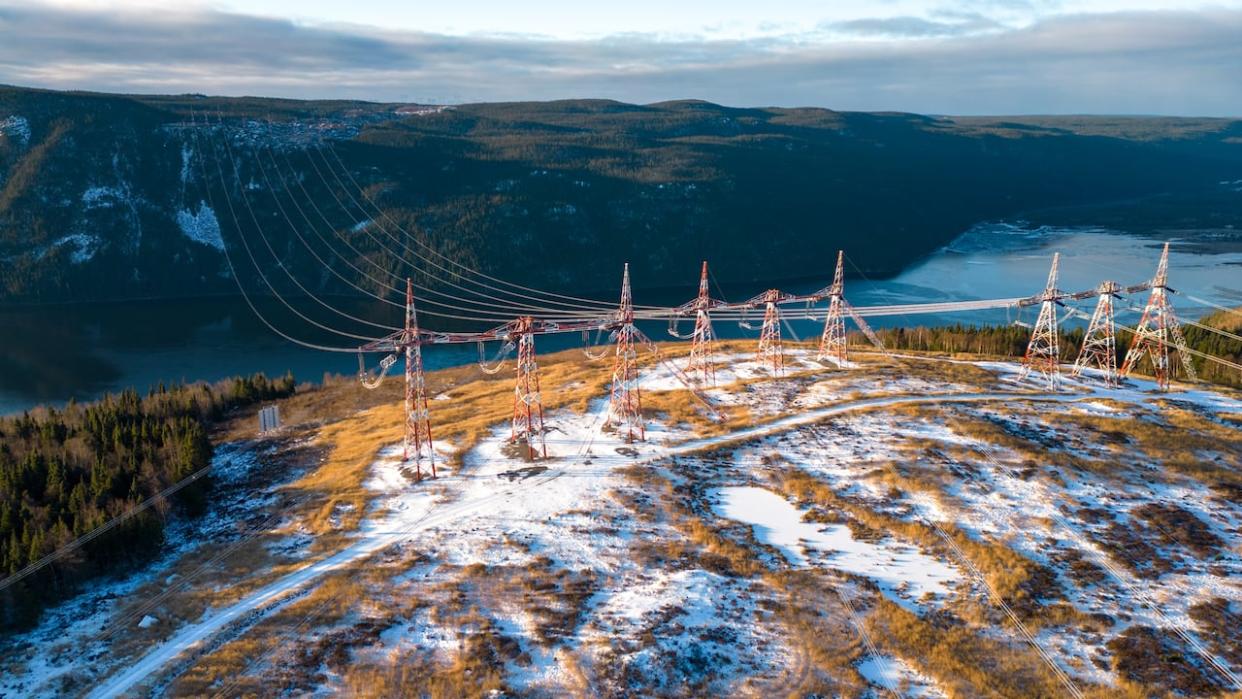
(843, 532)
(201, 226)
(548, 193)
(16, 126)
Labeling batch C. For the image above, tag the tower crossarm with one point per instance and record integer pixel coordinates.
(1061, 296)
(769, 296)
(697, 305)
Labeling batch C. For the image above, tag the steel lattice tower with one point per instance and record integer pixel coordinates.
(1043, 352)
(625, 402)
(770, 349)
(1099, 345)
(832, 342)
(1158, 330)
(703, 342)
(417, 415)
(527, 403)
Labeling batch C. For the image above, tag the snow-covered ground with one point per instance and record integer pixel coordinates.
(503, 522)
(895, 675)
(83, 627)
(900, 570)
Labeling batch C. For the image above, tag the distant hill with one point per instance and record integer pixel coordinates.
(103, 196)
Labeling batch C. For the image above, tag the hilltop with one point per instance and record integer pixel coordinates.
(915, 525)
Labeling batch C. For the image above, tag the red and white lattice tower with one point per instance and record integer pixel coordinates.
(625, 403)
(417, 442)
(703, 342)
(771, 351)
(832, 341)
(1043, 352)
(1157, 331)
(1099, 345)
(527, 403)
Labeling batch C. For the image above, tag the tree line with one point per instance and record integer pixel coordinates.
(64, 473)
(1011, 341)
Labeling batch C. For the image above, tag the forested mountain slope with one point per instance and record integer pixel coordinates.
(107, 196)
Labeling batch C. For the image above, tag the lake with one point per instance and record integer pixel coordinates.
(53, 353)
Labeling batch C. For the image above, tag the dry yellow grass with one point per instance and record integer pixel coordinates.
(335, 489)
(1019, 581)
(968, 664)
(333, 498)
(554, 599)
(825, 644)
(1179, 445)
(683, 408)
(253, 663)
(476, 406)
(964, 659)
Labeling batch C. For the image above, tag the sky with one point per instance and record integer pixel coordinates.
(928, 56)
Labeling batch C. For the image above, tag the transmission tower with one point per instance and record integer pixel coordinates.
(417, 415)
(832, 342)
(1099, 345)
(703, 342)
(1043, 351)
(527, 404)
(771, 351)
(1158, 330)
(625, 403)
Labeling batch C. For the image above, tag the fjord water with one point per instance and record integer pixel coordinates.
(50, 354)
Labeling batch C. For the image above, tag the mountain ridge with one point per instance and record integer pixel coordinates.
(108, 196)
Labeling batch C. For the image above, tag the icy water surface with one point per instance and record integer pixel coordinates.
(53, 353)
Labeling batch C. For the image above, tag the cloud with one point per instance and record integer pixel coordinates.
(953, 25)
(1139, 62)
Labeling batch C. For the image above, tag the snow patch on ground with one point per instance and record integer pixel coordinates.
(63, 650)
(201, 226)
(582, 467)
(903, 573)
(730, 368)
(1028, 514)
(671, 625)
(686, 627)
(894, 674)
(562, 509)
(417, 632)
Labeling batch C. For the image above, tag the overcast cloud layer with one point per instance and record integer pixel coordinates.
(1181, 63)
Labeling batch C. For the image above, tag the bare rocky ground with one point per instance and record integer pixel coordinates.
(904, 527)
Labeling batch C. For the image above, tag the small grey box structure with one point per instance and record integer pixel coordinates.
(269, 419)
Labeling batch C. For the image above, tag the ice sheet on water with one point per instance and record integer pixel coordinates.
(996, 236)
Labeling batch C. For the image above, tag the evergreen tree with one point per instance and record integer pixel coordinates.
(65, 473)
